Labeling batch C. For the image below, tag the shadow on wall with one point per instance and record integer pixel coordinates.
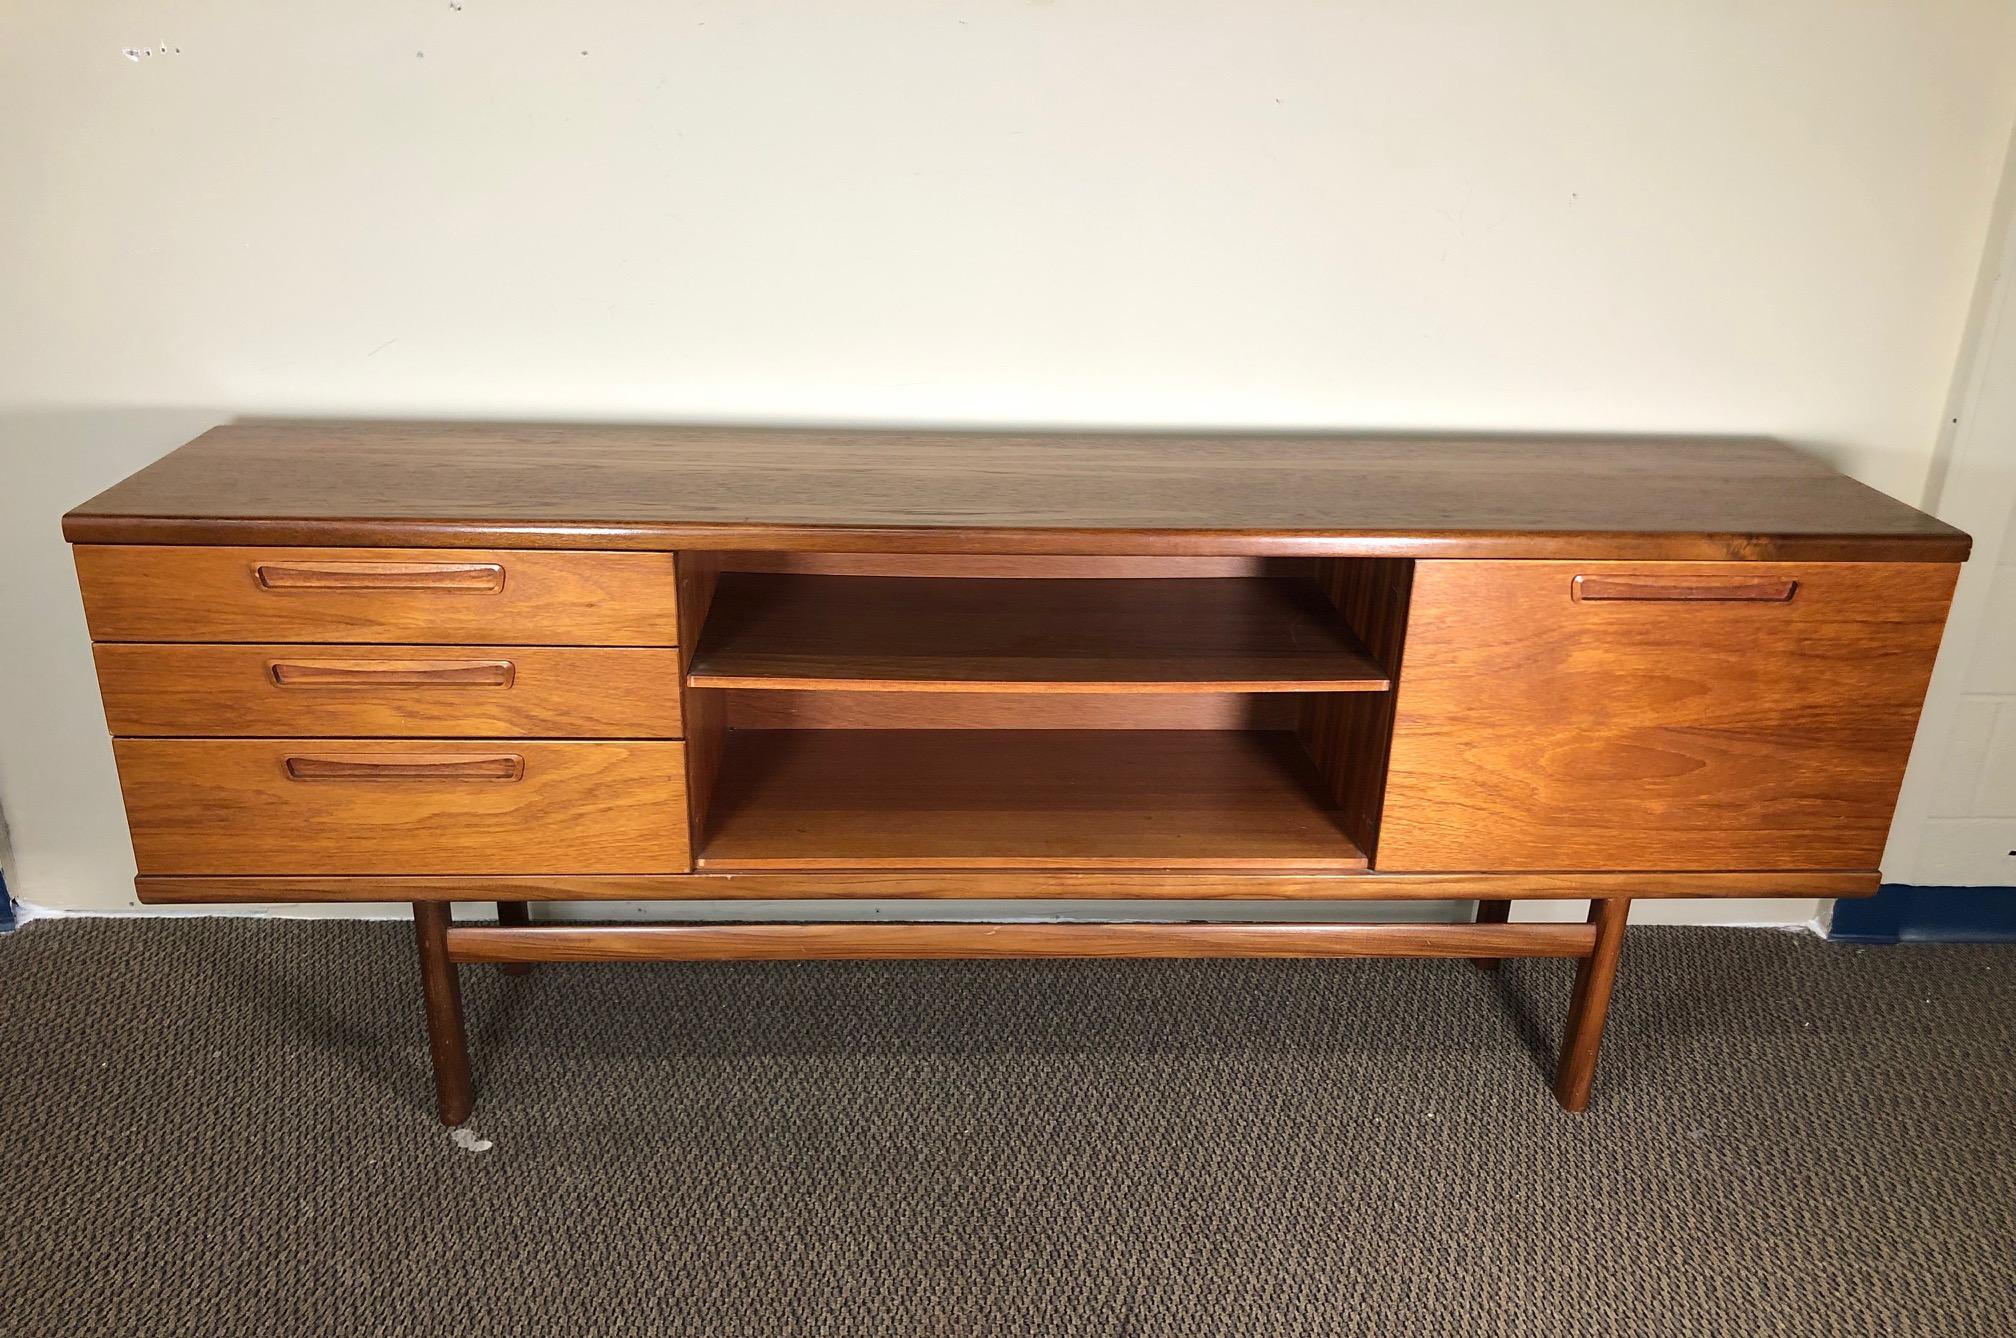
(6, 862)
(57, 785)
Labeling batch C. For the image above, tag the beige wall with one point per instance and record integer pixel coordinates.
(1675, 216)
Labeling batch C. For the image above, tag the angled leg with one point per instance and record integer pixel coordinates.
(1575, 1072)
(1491, 913)
(442, 985)
(513, 914)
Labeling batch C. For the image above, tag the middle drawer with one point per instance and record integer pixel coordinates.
(422, 692)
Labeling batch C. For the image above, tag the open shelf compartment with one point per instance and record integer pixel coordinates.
(1022, 799)
(914, 634)
(882, 712)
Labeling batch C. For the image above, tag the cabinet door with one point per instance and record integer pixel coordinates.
(1657, 716)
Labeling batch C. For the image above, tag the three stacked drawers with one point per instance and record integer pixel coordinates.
(314, 711)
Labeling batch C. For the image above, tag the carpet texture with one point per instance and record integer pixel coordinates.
(223, 1127)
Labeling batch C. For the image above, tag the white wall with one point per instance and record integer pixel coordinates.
(1679, 216)
(1956, 822)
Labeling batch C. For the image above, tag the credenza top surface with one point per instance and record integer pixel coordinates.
(444, 484)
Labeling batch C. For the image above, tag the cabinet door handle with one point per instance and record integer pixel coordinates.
(1697, 589)
(481, 578)
(406, 767)
(392, 673)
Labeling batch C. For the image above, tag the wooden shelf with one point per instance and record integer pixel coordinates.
(921, 634)
(1021, 799)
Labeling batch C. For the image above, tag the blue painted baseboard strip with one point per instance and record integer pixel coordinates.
(1901, 913)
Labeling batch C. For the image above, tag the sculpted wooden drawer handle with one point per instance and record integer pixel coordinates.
(1673, 589)
(392, 673)
(480, 578)
(407, 767)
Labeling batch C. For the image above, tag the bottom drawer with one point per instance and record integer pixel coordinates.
(378, 806)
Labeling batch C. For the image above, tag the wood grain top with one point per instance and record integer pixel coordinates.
(451, 485)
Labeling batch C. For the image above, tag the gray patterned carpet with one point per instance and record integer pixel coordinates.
(221, 1127)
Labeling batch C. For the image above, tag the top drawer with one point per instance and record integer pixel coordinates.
(385, 595)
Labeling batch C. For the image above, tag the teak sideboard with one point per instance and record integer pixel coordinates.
(513, 664)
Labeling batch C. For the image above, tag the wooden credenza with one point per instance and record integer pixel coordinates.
(513, 664)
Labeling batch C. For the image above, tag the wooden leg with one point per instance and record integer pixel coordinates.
(1491, 913)
(1575, 1073)
(442, 985)
(514, 915)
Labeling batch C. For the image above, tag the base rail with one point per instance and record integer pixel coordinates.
(515, 941)
(810, 942)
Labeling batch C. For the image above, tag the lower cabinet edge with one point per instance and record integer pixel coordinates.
(844, 885)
